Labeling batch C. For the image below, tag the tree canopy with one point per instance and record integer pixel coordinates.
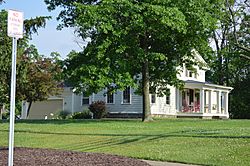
(135, 43)
(231, 62)
(35, 74)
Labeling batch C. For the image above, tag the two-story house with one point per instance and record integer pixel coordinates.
(197, 99)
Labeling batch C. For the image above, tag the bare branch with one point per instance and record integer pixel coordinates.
(248, 5)
(245, 56)
(216, 41)
(247, 49)
(233, 21)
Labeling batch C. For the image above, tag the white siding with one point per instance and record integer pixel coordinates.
(160, 107)
(200, 74)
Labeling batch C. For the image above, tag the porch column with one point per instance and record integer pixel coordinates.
(226, 104)
(201, 100)
(219, 102)
(177, 100)
(180, 100)
(209, 101)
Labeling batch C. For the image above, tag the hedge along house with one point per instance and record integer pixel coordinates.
(197, 99)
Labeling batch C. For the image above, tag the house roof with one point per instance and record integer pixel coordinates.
(208, 84)
(199, 58)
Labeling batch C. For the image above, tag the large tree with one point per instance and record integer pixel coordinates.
(231, 65)
(135, 43)
(35, 74)
(40, 77)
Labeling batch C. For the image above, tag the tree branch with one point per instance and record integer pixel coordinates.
(233, 21)
(216, 41)
(245, 56)
(247, 49)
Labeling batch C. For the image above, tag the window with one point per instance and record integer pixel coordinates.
(126, 96)
(110, 98)
(153, 98)
(167, 99)
(190, 74)
(85, 99)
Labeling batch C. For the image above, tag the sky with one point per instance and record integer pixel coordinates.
(48, 39)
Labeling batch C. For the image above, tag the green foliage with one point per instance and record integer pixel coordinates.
(36, 75)
(240, 97)
(98, 108)
(32, 25)
(231, 63)
(134, 43)
(62, 115)
(160, 32)
(82, 115)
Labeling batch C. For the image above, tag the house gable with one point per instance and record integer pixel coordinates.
(201, 68)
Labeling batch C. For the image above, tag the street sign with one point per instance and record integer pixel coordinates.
(15, 24)
(15, 30)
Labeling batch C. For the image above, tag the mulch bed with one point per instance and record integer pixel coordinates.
(39, 157)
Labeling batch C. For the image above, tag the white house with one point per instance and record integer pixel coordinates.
(197, 99)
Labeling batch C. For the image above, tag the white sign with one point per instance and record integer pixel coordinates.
(15, 24)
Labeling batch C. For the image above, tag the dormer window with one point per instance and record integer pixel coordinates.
(191, 74)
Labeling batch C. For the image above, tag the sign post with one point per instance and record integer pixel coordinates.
(15, 30)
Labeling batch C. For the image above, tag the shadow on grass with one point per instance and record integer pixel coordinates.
(183, 133)
(68, 121)
(102, 141)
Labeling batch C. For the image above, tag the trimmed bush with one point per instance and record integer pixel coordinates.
(98, 108)
(62, 115)
(82, 115)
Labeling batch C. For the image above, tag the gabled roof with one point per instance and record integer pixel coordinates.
(199, 59)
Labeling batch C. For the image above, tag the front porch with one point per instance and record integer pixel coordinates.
(203, 100)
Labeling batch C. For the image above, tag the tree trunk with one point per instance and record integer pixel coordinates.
(146, 114)
(28, 111)
(1, 112)
(220, 71)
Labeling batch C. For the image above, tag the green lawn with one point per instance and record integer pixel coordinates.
(207, 142)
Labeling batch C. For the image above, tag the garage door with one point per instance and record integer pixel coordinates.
(40, 109)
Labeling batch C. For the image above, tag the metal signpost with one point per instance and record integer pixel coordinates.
(15, 30)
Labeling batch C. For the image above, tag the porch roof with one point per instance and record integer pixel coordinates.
(206, 85)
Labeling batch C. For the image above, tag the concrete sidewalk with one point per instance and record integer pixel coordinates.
(161, 163)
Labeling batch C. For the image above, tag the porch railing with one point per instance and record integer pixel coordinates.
(193, 108)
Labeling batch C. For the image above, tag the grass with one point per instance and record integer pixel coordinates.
(205, 142)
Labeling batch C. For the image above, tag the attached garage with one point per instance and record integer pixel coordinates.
(47, 108)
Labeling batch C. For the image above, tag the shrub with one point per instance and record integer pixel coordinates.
(5, 115)
(98, 108)
(62, 115)
(82, 115)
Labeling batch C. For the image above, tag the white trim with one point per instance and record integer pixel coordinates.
(125, 112)
(86, 98)
(210, 101)
(202, 100)
(218, 86)
(218, 102)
